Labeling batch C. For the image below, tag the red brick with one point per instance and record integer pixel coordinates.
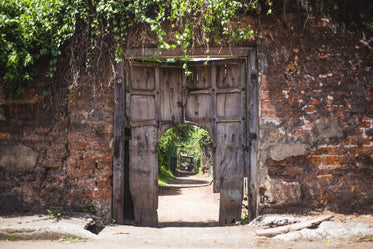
(265, 105)
(80, 145)
(361, 150)
(71, 164)
(4, 135)
(350, 141)
(310, 109)
(268, 114)
(104, 164)
(331, 160)
(77, 154)
(54, 164)
(364, 141)
(103, 175)
(365, 124)
(333, 151)
(104, 184)
(86, 164)
(327, 199)
(75, 137)
(100, 194)
(315, 160)
(78, 173)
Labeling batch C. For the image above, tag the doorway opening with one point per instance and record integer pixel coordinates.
(153, 95)
(185, 191)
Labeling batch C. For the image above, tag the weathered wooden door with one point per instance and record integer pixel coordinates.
(159, 96)
(216, 100)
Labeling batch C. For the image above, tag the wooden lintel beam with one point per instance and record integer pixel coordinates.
(214, 52)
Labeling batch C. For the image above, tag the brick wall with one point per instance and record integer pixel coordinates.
(316, 114)
(70, 133)
(90, 133)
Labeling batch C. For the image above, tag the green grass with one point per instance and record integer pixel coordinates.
(164, 176)
(67, 239)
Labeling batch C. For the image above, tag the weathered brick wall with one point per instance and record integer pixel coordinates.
(33, 151)
(316, 118)
(67, 137)
(90, 133)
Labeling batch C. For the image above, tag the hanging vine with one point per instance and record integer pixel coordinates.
(32, 29)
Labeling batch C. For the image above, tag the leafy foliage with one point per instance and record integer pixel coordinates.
(56, 214)
(32, 29)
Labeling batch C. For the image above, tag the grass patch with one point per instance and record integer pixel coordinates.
(67, 239)
(244, 220)
(164, 176)
(56, 214)
(10, 238)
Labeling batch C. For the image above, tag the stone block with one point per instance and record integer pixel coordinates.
(18, 158)
(281, 151)
(278, 193)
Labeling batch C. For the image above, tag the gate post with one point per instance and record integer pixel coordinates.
(118, 157)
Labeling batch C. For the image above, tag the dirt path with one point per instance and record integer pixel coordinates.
(188, 217)
(188, 201)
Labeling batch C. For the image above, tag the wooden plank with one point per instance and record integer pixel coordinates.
(228, 76)
(229, 105)
(252, 136)
(216, 170)
(229, 158)
(142, 78)
(118, 158)
(170, 95)
(214, 52)
(144, 175)
(201, 77)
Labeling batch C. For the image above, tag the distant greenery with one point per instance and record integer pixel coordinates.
(182, 138)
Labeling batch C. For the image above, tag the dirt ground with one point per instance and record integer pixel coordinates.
(188, 201)
(188, 218)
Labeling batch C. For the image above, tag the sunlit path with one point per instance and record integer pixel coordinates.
(188, 201)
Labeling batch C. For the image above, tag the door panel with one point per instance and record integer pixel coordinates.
(229, 164)
(142, 78)
(144, 175)
(170, 94)
(142, 108)
(198, 106)
(228, 105)
(228, 75)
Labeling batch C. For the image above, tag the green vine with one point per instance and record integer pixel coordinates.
(33, 29)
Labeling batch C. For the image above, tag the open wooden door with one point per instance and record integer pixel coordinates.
(159, 96)
(216, 100)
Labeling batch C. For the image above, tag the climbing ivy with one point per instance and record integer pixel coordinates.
(32, 29)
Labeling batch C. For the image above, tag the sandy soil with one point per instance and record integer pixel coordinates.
(188, 201)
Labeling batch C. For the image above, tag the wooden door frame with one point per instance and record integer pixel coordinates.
(121, 121)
